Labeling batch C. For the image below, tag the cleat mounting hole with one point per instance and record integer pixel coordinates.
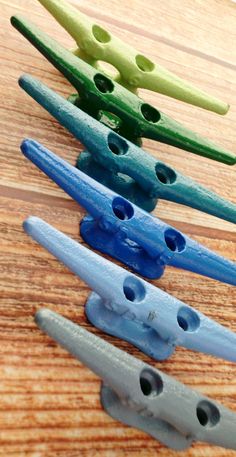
(208, 414)
(165, 174)
(100, 34)
(151, 383)
(144, 64)
(133, 289)
(174, 240)
(188, 319)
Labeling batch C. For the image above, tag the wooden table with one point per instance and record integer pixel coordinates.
(49, 403)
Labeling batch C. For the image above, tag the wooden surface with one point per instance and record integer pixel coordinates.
(49, 403)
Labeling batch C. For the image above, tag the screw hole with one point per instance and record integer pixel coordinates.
(122, 209)
(103, 84)
(129, 293)
(174, 240)
(117, 145)
(134, 289)
(165, 174)
(151, 383)
(101, 34)
(150, 113)
(144, 64)
(188, 319)
(208, 414)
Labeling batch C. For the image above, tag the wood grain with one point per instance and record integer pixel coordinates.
(49, 402)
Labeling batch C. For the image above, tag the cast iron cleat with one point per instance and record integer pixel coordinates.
(134, 69)
(130, 308)
(149, 178)
(138, 395)
(124, 231)
(115, 106)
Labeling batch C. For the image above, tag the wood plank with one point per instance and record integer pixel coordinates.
(49, 402)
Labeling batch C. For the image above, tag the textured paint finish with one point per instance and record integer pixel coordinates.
(135, 70)
(114, 105)
(124, 231)
(149, 178)
(141, 396)
(132, 306)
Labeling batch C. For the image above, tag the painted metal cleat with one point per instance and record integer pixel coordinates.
(115, 106)
(134, 69)
(119, 228)
(136, 394)
(130, 308)
(148, 178)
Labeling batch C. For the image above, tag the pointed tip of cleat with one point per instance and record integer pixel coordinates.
(26, 146)
(26, 81)
(30, 223)
(22, 80)
(14, 20)
(42, 316)
(30, 148)
(232, 160)
(18, 22)
(225, 109)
